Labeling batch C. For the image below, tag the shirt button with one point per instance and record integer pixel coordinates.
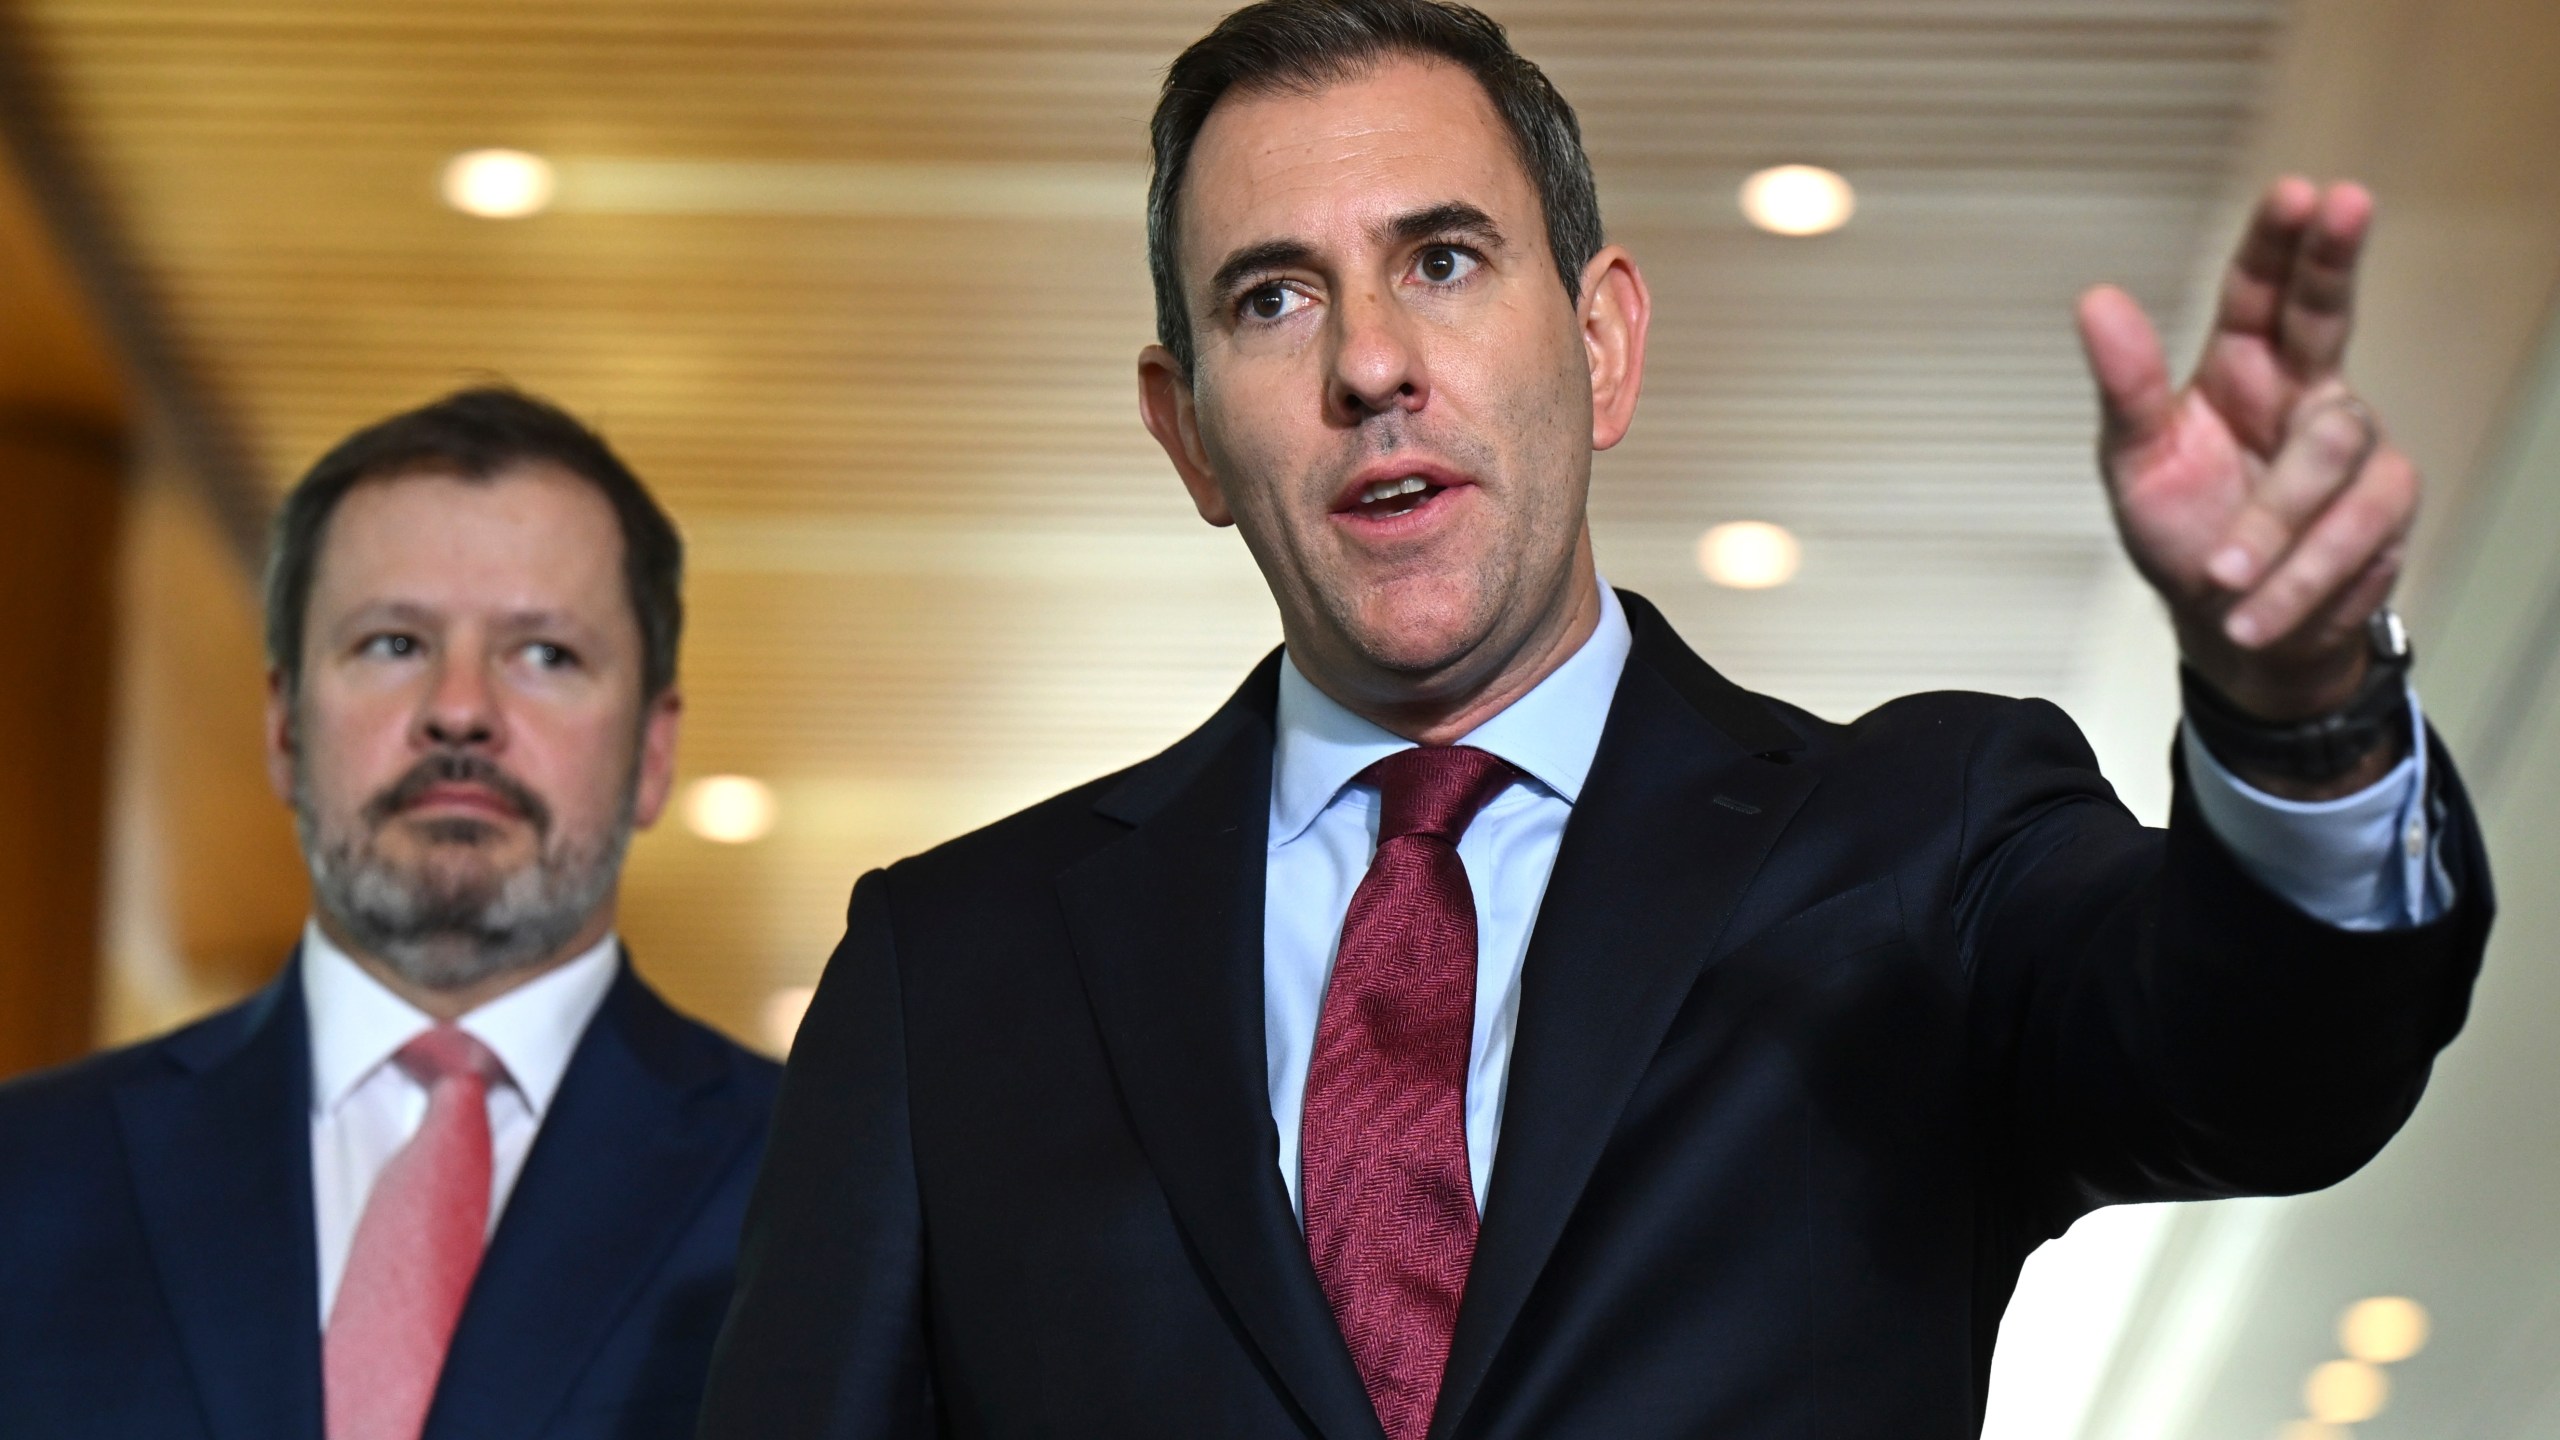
(2416, 840)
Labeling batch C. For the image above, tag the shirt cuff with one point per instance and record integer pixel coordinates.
(2365, 861)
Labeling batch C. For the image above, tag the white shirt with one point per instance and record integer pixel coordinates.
(364, 1108)
(2351, 862)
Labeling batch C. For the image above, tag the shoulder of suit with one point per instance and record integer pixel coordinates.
(1063, 826)
(752, 1066)
(690, 1051)
(1928, 719)
(1039, 840)
(70, 1092)
(756, 1070)
(1044, 838)
(1931, 732)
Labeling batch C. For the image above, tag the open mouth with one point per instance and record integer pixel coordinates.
(1388, 491)
(1395, 497)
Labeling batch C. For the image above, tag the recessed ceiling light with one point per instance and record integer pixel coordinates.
(498, 184)
(1798, 200)
(783, 1010)
(1749, 554)
(732, 809)
(2345, 1392)
(2383, 1329)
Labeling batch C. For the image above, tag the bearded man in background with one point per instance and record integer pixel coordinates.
(457, 1171)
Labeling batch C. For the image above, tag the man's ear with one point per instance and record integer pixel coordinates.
(1614, 312)
(280, 741)
(1164, 402)
(656, 778)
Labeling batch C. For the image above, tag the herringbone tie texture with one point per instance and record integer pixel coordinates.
(1391, 1216)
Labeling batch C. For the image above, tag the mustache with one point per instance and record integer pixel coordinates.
(457, 769)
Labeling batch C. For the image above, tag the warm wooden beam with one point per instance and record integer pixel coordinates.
(60, 492)
(63, 422)
(115, 313)
(145, 873)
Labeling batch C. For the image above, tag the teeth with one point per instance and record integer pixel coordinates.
(1390, 489)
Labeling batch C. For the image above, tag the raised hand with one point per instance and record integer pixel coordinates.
(2262, 500)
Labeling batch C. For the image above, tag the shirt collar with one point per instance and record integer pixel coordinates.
(358, 1023)
(1552, 732)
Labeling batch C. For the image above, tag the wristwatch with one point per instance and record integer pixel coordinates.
(2323, 747)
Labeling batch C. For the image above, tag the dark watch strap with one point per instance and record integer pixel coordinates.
(2323, 747)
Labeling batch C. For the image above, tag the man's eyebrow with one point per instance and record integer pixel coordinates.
(389, 612)
(538, 620)
(1255, 259)
(1449, 217)
(410, 612)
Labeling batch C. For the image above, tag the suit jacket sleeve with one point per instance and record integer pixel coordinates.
(826, 1335)
(2150, 1023)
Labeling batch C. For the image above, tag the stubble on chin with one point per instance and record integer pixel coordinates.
(1418, 615)
(454, 914)
(1425, 626)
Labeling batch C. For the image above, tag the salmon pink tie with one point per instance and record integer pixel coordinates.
(415, 1250)
(1391, 1212)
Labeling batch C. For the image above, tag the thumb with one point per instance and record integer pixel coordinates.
(2125, 359)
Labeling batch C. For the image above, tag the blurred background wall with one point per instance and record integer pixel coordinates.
(858, 288)
(64, 419)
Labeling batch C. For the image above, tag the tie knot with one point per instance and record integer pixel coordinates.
(447, 1053)
(1435, 790)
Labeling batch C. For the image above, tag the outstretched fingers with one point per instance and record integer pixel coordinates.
(2287, 304)
(2134, 395)
(2253, 288)
(2319, 293)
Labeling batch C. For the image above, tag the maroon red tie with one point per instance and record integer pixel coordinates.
(1391, 1214)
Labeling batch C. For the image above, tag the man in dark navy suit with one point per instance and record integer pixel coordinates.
(1493, 1024)
(457, 1172)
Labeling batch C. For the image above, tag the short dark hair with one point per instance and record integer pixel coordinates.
(479, 434)
(1305, 45)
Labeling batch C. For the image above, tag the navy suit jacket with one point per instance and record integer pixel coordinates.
(158, 1276)
(1822, 1028)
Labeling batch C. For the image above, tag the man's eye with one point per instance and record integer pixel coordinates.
(389, 647)
(547, 656)
(1444, 265)
(1271, 302)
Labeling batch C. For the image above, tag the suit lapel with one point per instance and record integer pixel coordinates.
(633, 1142)
(220, 1154)
(1167, 929)
(1687, 794)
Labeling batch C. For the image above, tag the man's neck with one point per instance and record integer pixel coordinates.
(447, 1006)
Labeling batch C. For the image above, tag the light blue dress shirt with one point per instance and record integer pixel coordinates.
(2350, 862)
(2367, 861)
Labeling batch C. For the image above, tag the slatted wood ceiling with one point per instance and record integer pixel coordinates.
(939, 570)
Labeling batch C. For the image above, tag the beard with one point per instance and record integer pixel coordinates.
(452, 918)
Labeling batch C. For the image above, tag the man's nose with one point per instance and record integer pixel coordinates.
(1377, 367)
(461, 707)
